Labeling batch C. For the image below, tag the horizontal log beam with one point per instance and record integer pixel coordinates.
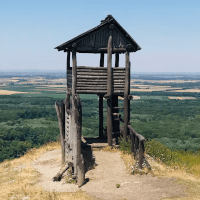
(140, 137)
(117, 92)
(91, 83)
(92, 88)
(99, 80)
(96, 77)
(99, 68)
(117, 107)
(100, 73)
(60, 173)
(99, 50)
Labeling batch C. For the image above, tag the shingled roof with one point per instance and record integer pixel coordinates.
(95, 40)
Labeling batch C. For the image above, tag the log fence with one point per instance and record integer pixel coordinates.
(137, 143)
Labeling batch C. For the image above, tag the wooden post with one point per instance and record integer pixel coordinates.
(101, 103)
(67, 127)
(109, 90)
(129, 77)
(126, 93)
(74, 69)
(80, 170)
(141, 153)
(68, 71)
(115, 100)
(68, 60)
(60, 112)
(117, 60)
(73, 127)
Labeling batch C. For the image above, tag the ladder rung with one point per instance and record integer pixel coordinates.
(117, 107)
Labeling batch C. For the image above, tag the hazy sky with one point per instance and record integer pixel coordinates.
(167, 30)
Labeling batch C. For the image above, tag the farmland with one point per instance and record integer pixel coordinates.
(163, 108)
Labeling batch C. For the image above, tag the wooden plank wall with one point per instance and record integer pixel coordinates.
(93, 80)
(99, 39)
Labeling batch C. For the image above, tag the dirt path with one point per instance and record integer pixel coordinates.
(102, 182)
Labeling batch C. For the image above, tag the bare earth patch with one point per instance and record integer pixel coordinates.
(109, 173)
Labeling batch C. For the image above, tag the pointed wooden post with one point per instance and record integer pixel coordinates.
(101, 103)
(126, 93)
(109, 87)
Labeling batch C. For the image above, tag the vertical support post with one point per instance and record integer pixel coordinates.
(115, 101)
(80, 160)
(126, 93)
(117, 60)
(129, 77)
(101, 103)
(74, 69)
(68, 60)
(73, 117)
(68, 71)
(109, 88)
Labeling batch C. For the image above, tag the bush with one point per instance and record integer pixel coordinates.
(124, 145)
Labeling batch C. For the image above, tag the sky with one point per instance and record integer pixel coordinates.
(168, 32)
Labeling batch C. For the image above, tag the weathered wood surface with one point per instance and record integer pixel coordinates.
(80, 171)
(96, 79)
(57, 177)
(76, 124)
(100, 98)
(141, 154)
(137, 143)
(74, 70)
(60, 110)
(109, 92)
(68, 133)
(126, 93)
(140, 137)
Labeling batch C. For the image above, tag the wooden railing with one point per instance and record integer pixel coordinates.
(137, 144)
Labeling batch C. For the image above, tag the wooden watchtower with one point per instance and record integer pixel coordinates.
(107, 82)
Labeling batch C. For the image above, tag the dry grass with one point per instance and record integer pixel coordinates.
(165, 81)
(186, 90)
(9, 92)
(181, 98)
(19, 180)
(191, 181)
(54, 86)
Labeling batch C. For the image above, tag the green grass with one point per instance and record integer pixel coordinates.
(188, 160)
(182, 159)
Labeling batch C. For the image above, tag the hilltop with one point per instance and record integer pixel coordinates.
(29, 177)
